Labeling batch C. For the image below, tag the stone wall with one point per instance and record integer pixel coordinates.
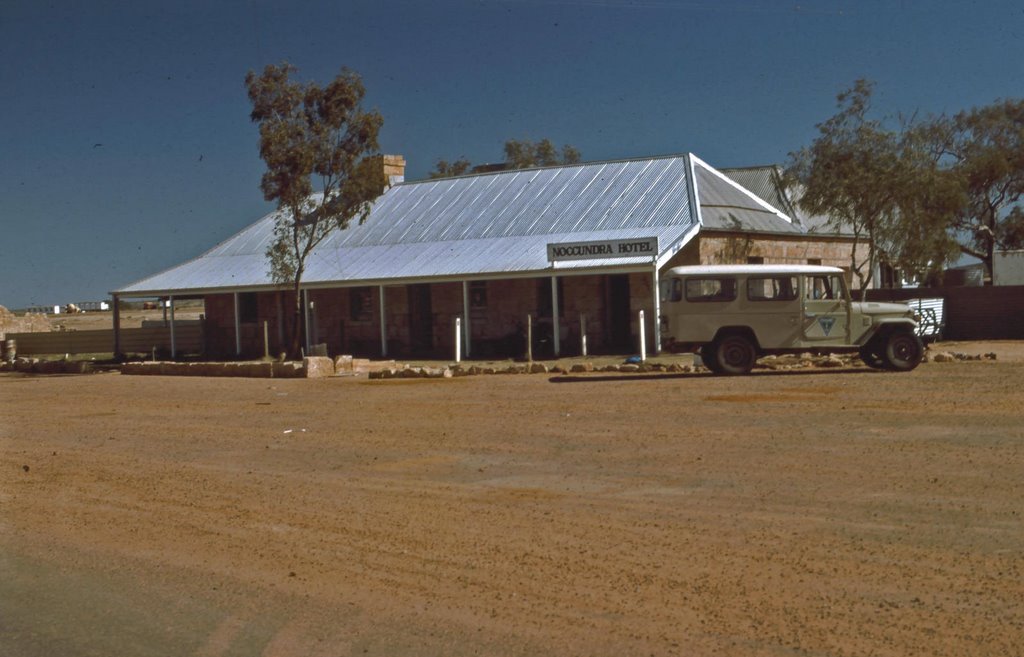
(727, 248)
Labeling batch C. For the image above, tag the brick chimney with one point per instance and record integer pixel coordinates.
(394, 168)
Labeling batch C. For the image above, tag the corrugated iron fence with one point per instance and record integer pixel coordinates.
(971, 313)
(188, 338)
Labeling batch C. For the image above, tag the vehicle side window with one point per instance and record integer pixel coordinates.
(671, 289)
(711, 289)
(775, 288)
(824, 287)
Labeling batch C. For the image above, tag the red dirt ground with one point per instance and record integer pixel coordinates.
(843, 512)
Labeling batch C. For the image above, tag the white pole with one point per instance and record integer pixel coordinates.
(458, 339)
(305, 310)
(174, 346)
(465, 312)
(657, 311)
(643, 339)
(314, 324)
(583, 334)
(383, 326)
(554, 316)
(238, 329)
(529, 338)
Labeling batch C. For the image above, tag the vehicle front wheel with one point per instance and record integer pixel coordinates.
(870, 354)
(734, 354)
(903, 351)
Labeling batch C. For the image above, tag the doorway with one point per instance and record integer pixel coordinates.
(421, 320)
(619, 336)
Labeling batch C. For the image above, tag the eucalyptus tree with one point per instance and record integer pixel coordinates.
(879, 183)
(983, 148)
(323, 166)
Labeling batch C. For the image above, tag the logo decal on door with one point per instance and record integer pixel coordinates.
(826, 324)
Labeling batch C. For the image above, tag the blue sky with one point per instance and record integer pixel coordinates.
(126, 147)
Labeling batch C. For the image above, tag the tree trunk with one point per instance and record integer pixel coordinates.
(298, 325)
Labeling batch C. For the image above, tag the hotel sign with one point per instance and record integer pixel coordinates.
(640, 247)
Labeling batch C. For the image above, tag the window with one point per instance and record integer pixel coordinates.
(671, 289)
(711, 289)
(478, 295)
(755, 260)
(248, 308)
(814, 261)
(824, 287)
(360, 301)
(775, 288)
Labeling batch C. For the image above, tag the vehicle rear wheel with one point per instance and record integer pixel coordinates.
(734, 354)
(903, 351)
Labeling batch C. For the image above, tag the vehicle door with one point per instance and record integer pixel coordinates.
(825, 307)
(772, 304)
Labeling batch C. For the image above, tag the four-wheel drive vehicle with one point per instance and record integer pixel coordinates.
(732, 314)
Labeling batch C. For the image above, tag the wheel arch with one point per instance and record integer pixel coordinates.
(745, 331)
(883, 328)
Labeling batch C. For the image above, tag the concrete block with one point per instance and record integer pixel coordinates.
(287, 370)
(257, 370)
(361, 365)
(343, 364)
(206, 369)
(538, 368)
(131, 368)
(318, 367)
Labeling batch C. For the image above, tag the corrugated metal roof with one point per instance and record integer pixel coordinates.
(472, 225)
(766, 183)
(725, 205)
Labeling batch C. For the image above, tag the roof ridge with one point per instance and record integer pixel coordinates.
(481, 174)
